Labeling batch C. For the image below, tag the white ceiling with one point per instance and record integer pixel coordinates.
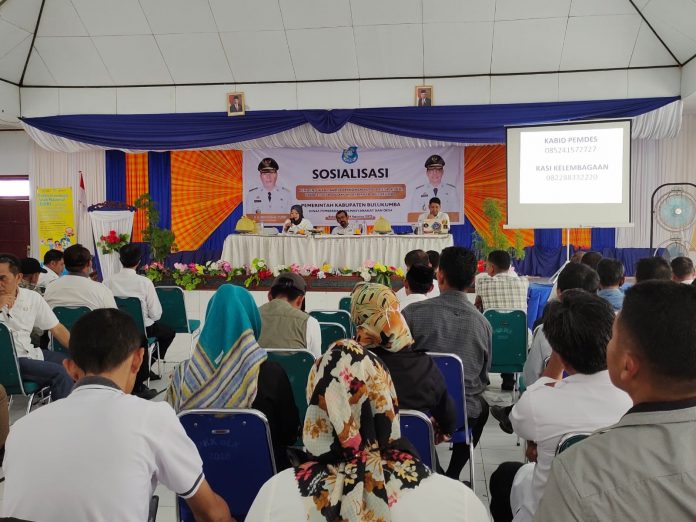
(174, 42)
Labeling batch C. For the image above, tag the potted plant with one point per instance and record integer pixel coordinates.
(161, 239)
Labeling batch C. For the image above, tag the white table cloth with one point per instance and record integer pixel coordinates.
(339, 251)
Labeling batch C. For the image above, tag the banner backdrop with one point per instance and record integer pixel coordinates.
(367, 183)
(56, 221)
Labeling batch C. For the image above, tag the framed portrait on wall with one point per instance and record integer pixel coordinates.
(424, 95)
(235, 104)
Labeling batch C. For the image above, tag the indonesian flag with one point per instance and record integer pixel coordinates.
(82, 195)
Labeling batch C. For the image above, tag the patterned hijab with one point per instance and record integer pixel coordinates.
(375, 313)
(224, 367)
(359, 463)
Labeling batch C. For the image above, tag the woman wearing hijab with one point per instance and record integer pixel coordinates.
(419, 383)
(359, 467)
(228, 369)
(297, 224)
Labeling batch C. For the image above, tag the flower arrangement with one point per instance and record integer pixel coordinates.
(112, 242)
(192, 275)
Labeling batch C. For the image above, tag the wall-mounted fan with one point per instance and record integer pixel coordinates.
(674, 212)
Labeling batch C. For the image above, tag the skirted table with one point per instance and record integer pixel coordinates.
(338, 251)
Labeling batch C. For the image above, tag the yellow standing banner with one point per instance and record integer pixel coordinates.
(56, 220)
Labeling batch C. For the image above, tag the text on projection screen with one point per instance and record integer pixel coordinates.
(571, 166)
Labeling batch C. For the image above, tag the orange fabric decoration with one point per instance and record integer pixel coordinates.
(579, 237)
(485, 177)
(137, 184)
(206, 188)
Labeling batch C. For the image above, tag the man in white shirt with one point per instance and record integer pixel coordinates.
(417, 257)
(344, 228)
(128, 283)
(682, 270)
(116, 447)
(418, 283)
(284, 324)
(579, 328)
(21, 310)
(76, 288)
(53, 262)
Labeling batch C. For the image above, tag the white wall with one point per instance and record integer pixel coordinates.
(15, 151)
(9, 103)
(371, 93)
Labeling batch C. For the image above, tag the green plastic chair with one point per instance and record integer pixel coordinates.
(10, 376)
(174, 312)
(570, 439)
(334, 316)
(67, 316)
(297, 364)
(509, 341)
(132, 306)
(344, 304)
(330, 333)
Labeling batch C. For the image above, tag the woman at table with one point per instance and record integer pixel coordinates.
(435, 215)
(228, 369)
(297, 224)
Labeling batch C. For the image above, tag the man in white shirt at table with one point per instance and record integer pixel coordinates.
(76, 288)
(128, 283)
(344, 228)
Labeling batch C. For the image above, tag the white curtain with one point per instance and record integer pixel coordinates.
(59, 169)
(653, 163)
(660, 123)
(103, 222)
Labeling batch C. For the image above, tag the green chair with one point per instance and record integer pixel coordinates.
(67, 316)
(334, 316)
(132, 306)
(344, 304)
(509, 341)
(10, 376)
(174, 312)
(297, 363)
(330, 333)
(570, 439)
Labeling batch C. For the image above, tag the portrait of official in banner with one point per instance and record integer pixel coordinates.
(269, 196)
(235, 104)
(435, 187)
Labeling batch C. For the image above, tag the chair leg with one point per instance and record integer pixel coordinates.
(472, 475)
(159, 360)
(149, 366)
(31, 400)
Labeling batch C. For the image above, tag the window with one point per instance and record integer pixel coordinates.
(14, 188)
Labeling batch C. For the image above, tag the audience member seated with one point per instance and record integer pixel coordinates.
(449, 323)
(611, 278)
(4, 421)
(228, 369)
(575, 258)
(498, 287)
(53, 262)
(416, 257)
(382, 329)
(417, 284)
(578, 328)
(31, 270)
(359, 468)
(573, 276)
(682, 270)
(434, 257)
(128, 283)
(76, 288)
(642, 467)
(653, 268)
(284, 324)
(21, 310)
(591, 259)
(58, 456)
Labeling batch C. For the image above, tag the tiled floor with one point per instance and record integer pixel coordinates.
(495, 446)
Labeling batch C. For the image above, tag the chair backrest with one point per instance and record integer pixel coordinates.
(334, 316)
(297, 364)
(452, 370)
(418, 429)
(67, 316)
(10, 377)
(330, 333)
(344, 304)
(237, 454)
(509, 339)
(173, 308)
(132, 306)
(570, 439)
